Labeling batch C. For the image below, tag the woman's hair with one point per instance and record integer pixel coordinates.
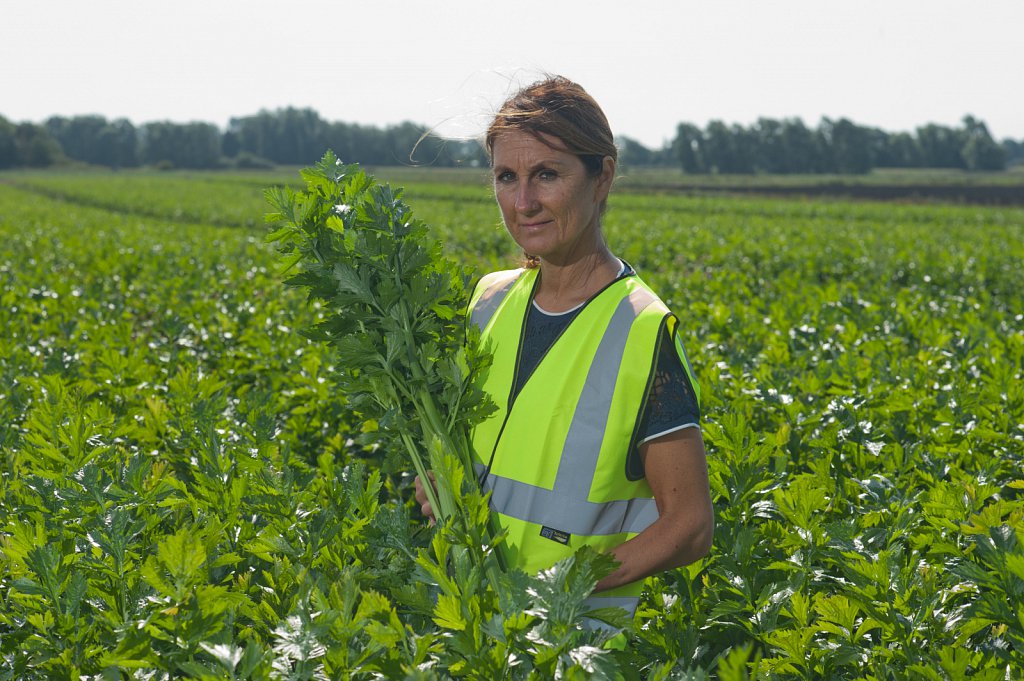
(558, 107)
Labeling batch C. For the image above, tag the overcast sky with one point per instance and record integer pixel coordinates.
(894, 64)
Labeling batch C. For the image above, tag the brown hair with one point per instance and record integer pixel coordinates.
(562, 109)
(558, 107)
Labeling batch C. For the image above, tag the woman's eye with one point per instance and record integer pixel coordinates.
(505, 177)
(547, 174)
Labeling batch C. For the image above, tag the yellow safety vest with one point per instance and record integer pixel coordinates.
(554, 456)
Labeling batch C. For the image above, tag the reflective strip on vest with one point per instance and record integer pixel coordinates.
(565, 506)
(627, 603)
(489, 301)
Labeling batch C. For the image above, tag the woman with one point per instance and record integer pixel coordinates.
(595, 440)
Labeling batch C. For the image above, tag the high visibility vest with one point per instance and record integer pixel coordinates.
(554, 456)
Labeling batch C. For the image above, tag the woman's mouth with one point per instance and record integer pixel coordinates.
(534, 225)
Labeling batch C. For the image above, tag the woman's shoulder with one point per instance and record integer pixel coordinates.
(644, 297)
(492, 278)
(493, 282)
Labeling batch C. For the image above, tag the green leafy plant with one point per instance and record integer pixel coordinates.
(394, 308)
(185, 491)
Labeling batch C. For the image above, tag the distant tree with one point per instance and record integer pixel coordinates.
(940, 146)
(119, 144)
(719, 152)
(290, 136)
(801, 148)
(251, 133)
(980, 151)
(896, 150)
(879, 148)
(338, 138)
(849, 145)
(632, 153)
(299, 136)
(369, 144)
(468, 153)
(189, 145)
(744, 145)
(1014, 151)
(665, 156)
(93, 139)
(688, 148)
(35, 147)
(78, 136)
(201, 145)
(231, 144)
(769, 147)
(728, 149)
(8, 147)
(408, 143)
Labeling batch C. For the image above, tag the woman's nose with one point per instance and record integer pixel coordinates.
(526, 198)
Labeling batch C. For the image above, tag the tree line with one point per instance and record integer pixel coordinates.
(292, 136)
(836, 146)
(287, 136)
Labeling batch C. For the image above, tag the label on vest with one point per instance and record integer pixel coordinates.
(555, 535)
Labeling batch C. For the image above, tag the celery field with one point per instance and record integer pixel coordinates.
(184, 493)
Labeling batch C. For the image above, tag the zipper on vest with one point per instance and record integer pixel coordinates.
(647, 394)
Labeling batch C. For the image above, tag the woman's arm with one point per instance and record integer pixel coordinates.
(677, 472)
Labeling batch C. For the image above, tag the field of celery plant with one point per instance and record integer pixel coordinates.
(185, 491)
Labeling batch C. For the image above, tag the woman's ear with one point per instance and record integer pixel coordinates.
(605, 179)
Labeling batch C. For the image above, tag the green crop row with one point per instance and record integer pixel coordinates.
(182, 493)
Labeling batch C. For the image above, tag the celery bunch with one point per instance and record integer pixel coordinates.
(394, 308)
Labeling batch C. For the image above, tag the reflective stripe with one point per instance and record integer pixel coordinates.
(582, 447)
(627, 603)
(565, 506)
(541, 506)
(490, 299)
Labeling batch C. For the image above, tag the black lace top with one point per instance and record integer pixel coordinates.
(671, 405)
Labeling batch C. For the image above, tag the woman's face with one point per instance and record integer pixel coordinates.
(550, 204)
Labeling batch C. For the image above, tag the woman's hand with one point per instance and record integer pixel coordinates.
(676, 470)
(421, 497)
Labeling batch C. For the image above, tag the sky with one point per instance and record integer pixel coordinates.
(892, 64)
